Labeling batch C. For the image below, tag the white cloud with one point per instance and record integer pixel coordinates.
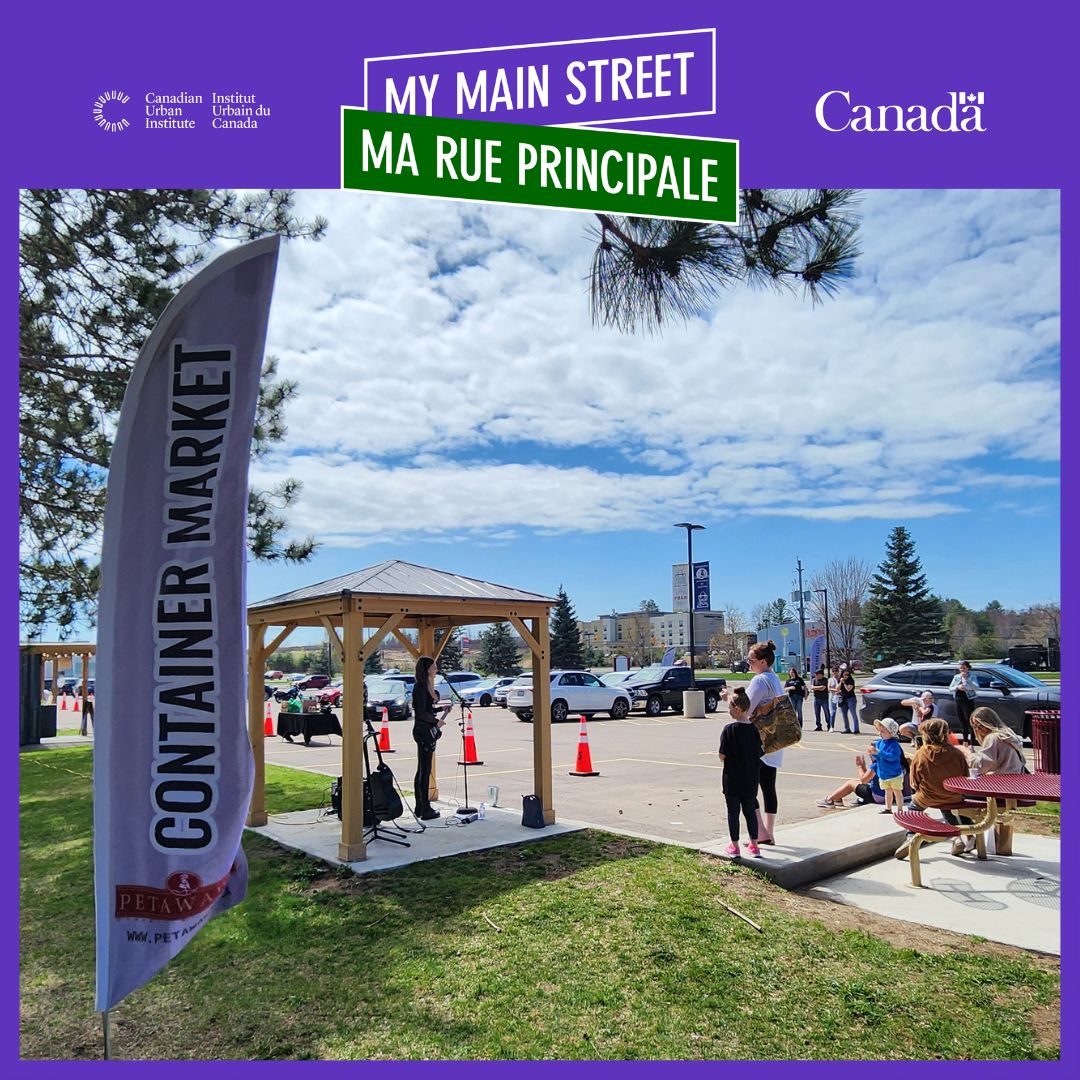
(438, 344)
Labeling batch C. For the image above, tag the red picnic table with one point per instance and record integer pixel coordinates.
(1007, 788)
(1002, 792)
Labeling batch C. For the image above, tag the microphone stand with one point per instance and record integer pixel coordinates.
(466, 810)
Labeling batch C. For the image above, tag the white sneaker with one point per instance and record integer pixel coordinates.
(958, 847)
(828, 804)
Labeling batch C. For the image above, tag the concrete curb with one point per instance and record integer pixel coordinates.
(836, 842)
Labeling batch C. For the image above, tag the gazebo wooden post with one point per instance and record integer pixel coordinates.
(351, 847)
(256, 637)
(542, 779)
(84, 660)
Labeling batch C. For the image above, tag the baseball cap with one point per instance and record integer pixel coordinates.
(890, 725)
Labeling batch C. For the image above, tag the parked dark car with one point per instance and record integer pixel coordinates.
(391, 694)
(71, 685)
(312, 682)
(1010, 693)
(741, 666)
(657, 688)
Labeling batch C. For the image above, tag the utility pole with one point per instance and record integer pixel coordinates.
(802, 618)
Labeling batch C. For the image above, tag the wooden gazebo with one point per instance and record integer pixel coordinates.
(358, 611)
(59, 653)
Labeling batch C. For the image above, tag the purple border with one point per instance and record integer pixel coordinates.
(772, 66)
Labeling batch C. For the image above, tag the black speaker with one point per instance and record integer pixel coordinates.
(335, 797)
(532, 812)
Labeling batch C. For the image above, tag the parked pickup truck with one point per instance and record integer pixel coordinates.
(657, 688)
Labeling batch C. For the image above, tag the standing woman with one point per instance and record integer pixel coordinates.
(848, 705)
(796, 690)
(764, 686)
(427, 730)
(963, 689)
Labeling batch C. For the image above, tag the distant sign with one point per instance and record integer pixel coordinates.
(702, 598)
(680, 593)
(622, 663)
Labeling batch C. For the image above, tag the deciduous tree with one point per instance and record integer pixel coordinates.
(848, 583)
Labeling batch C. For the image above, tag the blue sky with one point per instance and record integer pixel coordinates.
(456, 407)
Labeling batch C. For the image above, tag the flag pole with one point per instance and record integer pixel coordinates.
(105, 1033)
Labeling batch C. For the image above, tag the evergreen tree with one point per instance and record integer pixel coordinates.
(373, 664)
(451, 658)
(648, 271)
(498, 653)
(96, 270)
(901, 620)
(566, 649)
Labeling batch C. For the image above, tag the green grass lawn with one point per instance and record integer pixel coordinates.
(582, 946)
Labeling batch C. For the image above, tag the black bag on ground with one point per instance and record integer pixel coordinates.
(532, 813)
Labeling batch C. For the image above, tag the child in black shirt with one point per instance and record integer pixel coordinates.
(740, 751)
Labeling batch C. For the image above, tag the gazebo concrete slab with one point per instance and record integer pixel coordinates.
(317, 834)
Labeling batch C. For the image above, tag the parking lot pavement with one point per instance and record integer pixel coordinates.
(658, 777)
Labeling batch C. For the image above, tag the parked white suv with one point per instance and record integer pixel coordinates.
(572, 692)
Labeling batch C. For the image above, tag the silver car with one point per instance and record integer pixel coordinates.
(1010, 693)
(483, 693)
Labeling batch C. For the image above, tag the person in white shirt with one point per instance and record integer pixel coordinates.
(763, 686)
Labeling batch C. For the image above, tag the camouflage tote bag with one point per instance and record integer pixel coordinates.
(777, 723)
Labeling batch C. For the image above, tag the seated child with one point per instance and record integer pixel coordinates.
(922, 709)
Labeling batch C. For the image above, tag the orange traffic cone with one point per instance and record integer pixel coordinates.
(584, 758)
(268, 725)
(63, 702)
(470, 744)
(384, 734)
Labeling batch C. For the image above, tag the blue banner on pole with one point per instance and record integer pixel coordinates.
(702, 598)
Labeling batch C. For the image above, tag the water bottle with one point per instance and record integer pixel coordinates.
(483, 810)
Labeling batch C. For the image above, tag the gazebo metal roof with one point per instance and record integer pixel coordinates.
(397, 578)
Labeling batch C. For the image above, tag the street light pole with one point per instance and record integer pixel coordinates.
(828, 654)
(690, 528)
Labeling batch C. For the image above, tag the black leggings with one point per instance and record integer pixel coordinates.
(747, 805)
(422, 780)
(963, 712)
(767, 783)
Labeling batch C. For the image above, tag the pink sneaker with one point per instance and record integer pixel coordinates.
(754, 849)
(732, 849)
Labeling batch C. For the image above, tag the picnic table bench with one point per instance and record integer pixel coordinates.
(1000, 794)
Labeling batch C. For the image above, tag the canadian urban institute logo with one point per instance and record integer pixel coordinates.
(108, 112)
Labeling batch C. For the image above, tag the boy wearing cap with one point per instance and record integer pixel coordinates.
(887, 755)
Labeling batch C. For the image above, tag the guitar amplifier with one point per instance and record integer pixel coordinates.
(335, 800)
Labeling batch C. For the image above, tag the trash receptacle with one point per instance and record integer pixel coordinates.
(1046, 739)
